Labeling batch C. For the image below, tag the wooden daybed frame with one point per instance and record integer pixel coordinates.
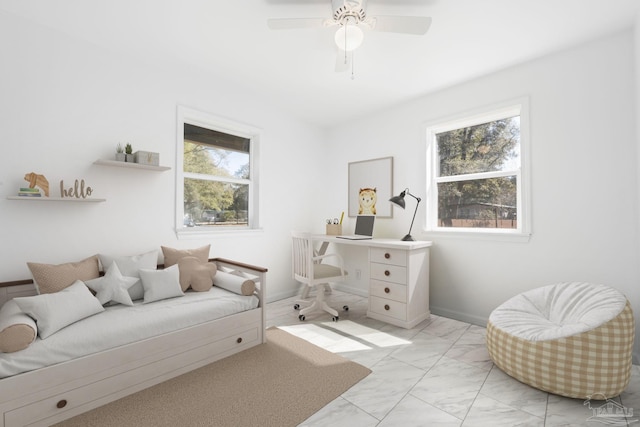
(55, 393)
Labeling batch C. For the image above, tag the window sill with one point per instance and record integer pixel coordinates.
(495, 236)
(202, 232)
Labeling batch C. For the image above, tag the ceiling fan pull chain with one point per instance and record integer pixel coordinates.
(353, 60)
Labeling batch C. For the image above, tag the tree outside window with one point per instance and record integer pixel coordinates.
(475, 178)
(217, 182)
(216, 168)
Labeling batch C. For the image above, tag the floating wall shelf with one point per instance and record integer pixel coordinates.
(130, 165)
(56, 199)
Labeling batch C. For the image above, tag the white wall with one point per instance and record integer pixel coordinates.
(65, 103)
(584, 186)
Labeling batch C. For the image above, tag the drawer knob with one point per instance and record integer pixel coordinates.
(387, 272)
(386, 307)
(239, 340)
(61, 404)
(387, 290)
(387, 255)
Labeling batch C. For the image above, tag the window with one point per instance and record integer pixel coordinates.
(217, 180)
(477, 181)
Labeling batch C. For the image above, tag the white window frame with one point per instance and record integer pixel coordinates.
(519, 107)
(208, 121)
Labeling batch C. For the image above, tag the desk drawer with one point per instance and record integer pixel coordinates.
(387, 307)
(392, 291)
(388, 256)
(388, 273)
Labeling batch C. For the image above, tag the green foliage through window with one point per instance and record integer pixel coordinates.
(477, 177)
(216, 178)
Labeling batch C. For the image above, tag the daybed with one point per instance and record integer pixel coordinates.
(50, 394)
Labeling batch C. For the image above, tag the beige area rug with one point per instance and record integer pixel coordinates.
(280, 383)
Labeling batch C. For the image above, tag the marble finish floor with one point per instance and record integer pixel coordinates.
(436, 374)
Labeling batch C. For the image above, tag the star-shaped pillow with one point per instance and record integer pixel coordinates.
(113, 286)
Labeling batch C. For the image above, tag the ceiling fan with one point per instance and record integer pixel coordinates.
(351, 17)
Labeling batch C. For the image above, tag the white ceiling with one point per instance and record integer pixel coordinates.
(295, 68)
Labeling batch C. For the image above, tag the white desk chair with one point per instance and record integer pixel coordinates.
(307, 289)
(308, 270)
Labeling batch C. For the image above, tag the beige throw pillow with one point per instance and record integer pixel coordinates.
(17, 330)
(171, 255)
(51, 278)
(196, 274)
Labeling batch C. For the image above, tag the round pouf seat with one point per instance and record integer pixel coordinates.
(573, 339)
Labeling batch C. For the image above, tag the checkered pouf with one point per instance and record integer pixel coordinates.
(572, 339)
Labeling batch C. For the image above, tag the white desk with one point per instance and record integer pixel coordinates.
(399, 278)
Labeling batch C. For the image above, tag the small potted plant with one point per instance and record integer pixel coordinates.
(129, 152)
(120, 156)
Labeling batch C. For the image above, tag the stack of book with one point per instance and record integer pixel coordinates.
(29, 192)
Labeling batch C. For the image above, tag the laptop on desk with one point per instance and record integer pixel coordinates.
(364, 228)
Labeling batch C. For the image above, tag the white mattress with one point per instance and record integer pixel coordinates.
(119, 325)
(558, 311)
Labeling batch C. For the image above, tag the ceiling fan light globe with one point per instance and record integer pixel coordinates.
(349, 37)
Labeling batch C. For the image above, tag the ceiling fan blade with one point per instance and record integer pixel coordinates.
(297, 23)
(417, 25)
(343, 63)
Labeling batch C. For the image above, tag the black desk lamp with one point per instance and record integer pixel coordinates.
(399, 200)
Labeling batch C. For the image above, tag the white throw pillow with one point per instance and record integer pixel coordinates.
(161, 284)
(233, 283)
(53, 312)
(113, 286)
(129, 266)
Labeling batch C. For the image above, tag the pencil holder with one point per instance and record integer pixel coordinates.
(334, 229)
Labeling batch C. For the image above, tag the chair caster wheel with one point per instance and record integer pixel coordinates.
(296, 307)
(301, 317)
(334, 318)
(345, 308)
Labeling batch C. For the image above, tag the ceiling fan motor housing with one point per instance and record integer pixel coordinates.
(344, 9)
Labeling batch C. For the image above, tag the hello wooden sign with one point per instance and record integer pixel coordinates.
(79, 191)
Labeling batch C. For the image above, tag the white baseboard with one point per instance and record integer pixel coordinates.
(351, 290)
(457, 315)
(298, 290)
(283, 295)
